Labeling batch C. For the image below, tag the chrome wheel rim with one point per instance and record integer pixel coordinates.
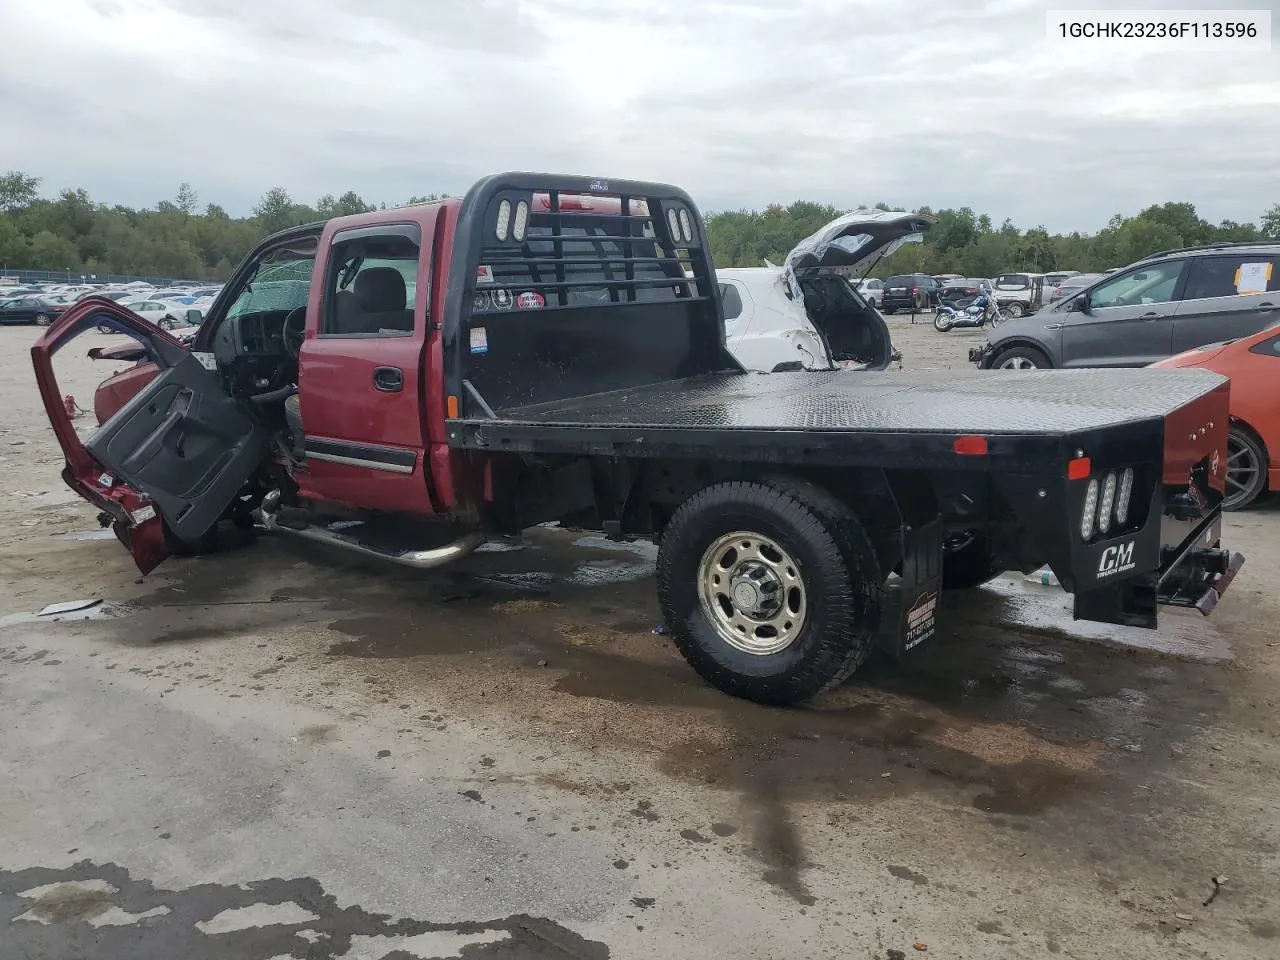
(1015, 310)
(752, 592)
(1243, 471)
(1017, 363)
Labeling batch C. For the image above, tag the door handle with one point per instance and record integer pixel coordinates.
(388, 379)
(1152, 315)
(1264, 307)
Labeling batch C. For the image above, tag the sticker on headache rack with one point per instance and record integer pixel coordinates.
(531, 300)
(484, 273)
(502, 299)
(598, 185)
(481, 302)
(479, 340)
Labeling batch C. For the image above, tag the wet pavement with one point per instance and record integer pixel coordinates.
(278, 751)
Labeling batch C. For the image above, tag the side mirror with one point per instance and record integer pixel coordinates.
(1081, 304)
(195, 317)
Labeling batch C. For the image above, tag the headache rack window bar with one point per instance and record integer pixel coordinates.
(525, 261)
(525, 283)
(601, 305)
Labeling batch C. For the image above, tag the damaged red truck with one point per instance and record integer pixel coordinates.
(408, 382)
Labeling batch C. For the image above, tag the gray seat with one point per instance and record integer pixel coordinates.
(383, 301)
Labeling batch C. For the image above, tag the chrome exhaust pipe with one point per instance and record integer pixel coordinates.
(418, 559)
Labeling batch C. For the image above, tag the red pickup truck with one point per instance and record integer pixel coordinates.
(407, 382)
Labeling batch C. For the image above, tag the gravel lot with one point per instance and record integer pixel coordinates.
(274, 752)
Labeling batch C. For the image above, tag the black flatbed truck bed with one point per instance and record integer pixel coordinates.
(891, 419)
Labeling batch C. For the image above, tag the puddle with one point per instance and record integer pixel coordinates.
(1181, 633)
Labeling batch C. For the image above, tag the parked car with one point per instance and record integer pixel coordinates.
(872, 291)
(37, 310)
(165, 314)
(961, 288)
(1052, 280)
(1073, 284)
(911, 291)
(1162, 305)
(1253, 364)
(1021, 293)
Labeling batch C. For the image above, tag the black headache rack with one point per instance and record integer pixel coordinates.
(567, 286)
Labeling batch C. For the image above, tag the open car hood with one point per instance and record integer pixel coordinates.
(854, 241)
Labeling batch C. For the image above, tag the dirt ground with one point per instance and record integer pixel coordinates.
(276, 751)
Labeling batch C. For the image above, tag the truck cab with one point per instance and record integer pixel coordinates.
(406, 383)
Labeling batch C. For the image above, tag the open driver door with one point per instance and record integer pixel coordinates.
(177, 455)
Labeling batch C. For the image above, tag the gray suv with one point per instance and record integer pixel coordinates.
(1163, 304)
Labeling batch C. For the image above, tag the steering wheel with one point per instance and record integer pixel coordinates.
(295, 328)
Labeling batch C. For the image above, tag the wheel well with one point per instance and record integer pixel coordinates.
(1008, 345)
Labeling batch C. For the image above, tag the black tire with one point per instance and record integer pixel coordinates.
(942, 323)
(838, 574)
(889, 310)
(1017, 310)
(1247, 464)
(166, 323)
(43, 319)
(970, 566)
(1021, 358)
(103, 328)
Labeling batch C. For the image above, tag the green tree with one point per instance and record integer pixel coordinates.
(17, 189)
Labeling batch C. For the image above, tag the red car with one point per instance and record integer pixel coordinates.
(1253, 364)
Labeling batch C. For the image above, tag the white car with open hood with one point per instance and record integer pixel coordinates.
(806, 314)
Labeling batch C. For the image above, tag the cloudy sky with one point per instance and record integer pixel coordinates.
(742, 102)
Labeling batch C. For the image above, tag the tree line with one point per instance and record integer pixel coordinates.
(177, 238)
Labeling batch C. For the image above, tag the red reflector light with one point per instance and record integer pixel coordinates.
(1079, 468)
(970, 446)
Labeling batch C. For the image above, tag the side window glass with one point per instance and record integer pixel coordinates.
(372, 283)
(1150, 284)
(1240, 275)
(732, 301)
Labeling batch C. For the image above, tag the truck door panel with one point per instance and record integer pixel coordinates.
(361, 380)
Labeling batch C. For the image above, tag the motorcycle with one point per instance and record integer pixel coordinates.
(980, 311)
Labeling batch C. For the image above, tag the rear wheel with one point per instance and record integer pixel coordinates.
(1022, 358)
(1246, 468)
(890, 310)
(771, 590)
(1017, 310)
(43, 319)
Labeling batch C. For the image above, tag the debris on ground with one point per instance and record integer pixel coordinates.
(1218, 883)
(68, 606)
(922, 947)
(1044, 577)
(1185, 917)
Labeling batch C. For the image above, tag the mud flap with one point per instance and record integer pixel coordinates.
(921, 587)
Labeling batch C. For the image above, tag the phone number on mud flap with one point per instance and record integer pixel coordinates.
(1237, 30)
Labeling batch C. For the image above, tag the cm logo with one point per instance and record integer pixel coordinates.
(1116, 559)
